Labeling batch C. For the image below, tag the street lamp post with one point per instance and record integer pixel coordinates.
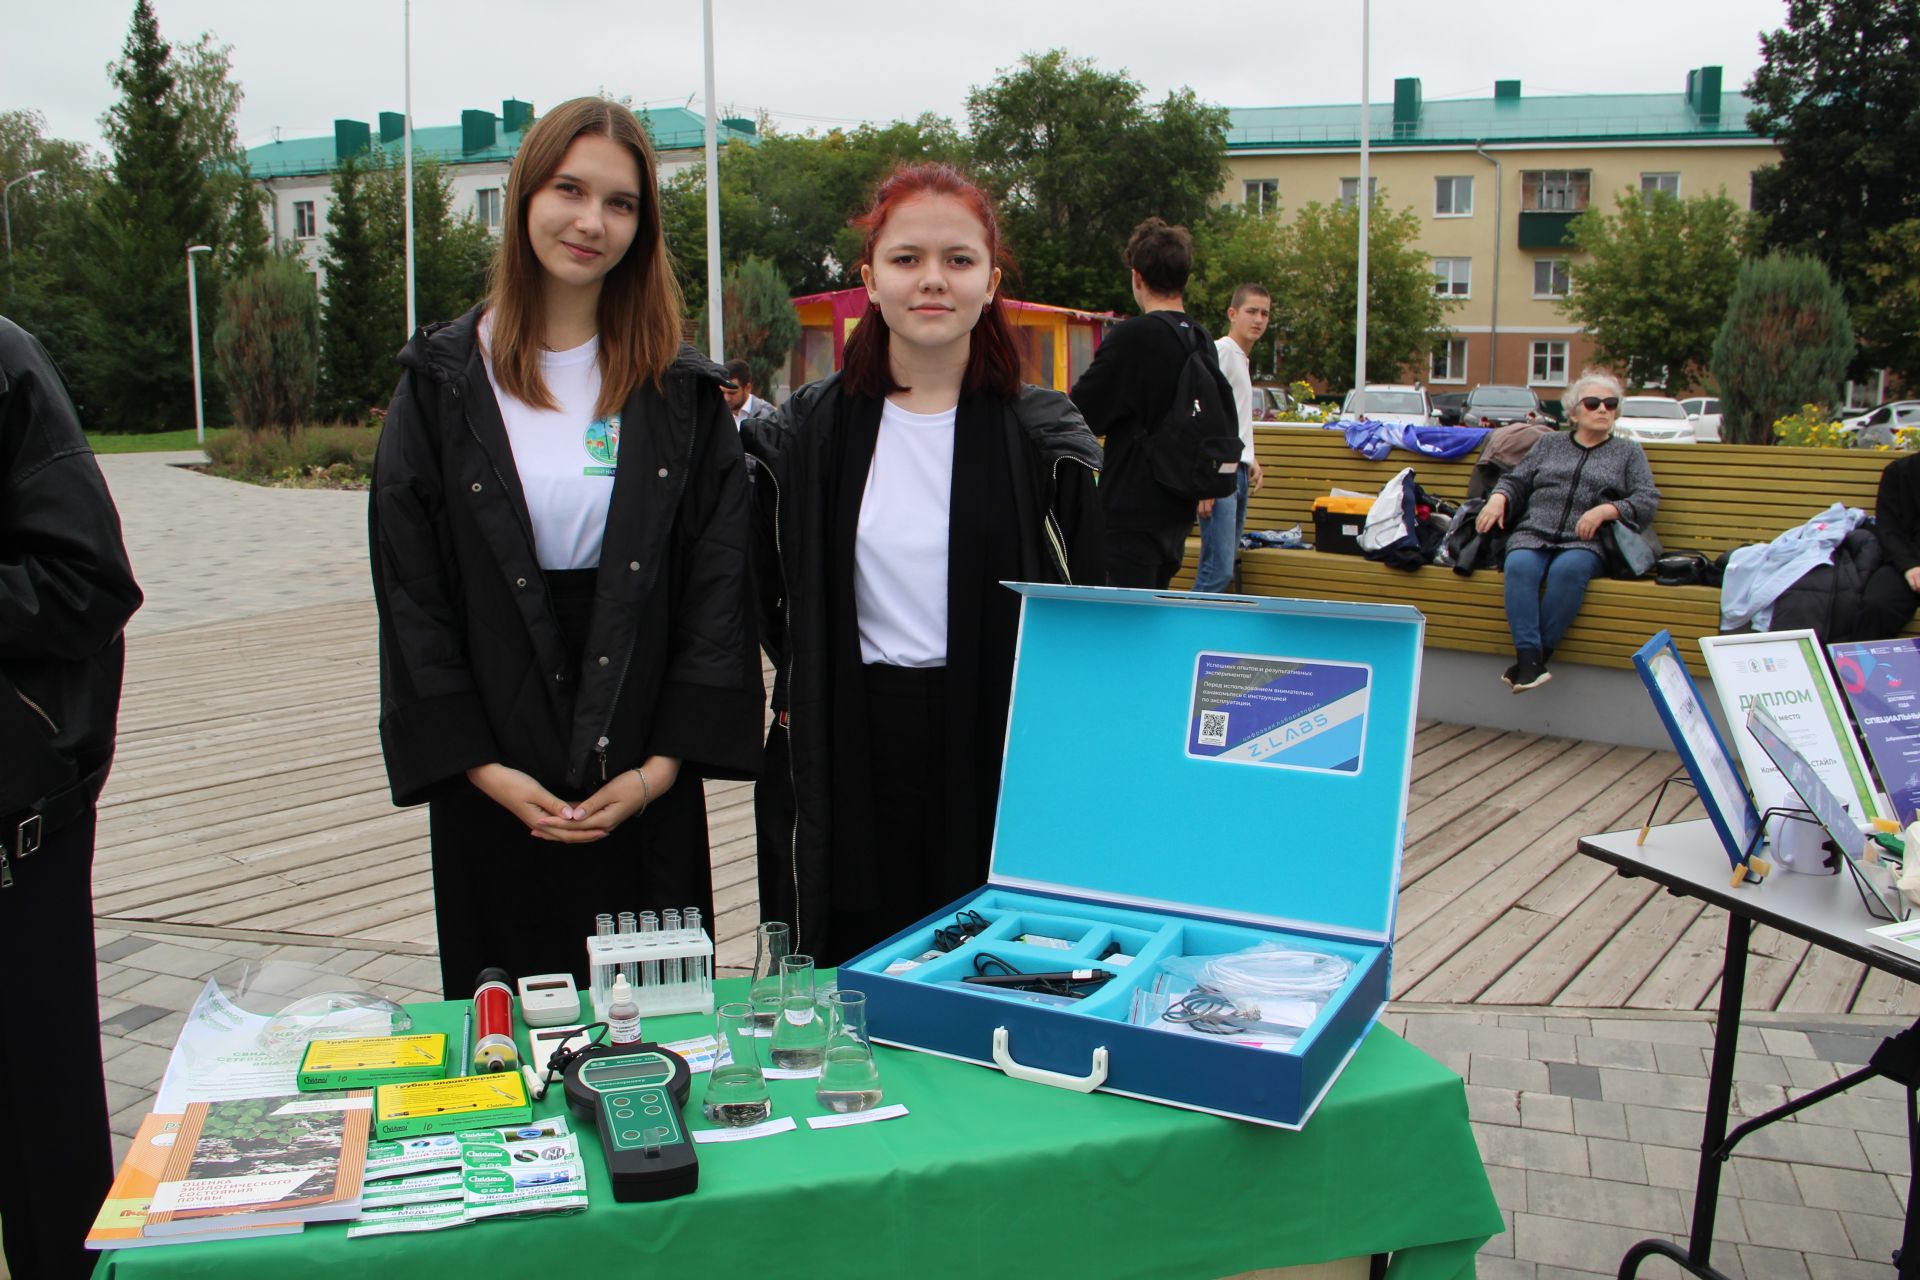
(193, 329)
(716, 324)
(6, 212)
(1365, 198)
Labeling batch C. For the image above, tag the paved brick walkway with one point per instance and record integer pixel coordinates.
(1588, 1120)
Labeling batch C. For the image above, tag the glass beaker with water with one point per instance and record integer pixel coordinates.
(849, 1078)
(736, 1091)
(800, 1033)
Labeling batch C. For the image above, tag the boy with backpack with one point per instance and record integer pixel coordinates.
(1155, 391)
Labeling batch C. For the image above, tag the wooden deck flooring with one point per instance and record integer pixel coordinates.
(248, 794)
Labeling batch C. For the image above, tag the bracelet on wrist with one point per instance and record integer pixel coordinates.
(646, 791)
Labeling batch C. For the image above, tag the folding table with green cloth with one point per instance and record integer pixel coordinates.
(986, 1177)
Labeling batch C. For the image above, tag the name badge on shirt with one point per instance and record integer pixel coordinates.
(602, 443)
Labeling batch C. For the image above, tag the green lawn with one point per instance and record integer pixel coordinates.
(154, 442)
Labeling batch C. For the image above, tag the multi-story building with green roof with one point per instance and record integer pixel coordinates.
(1495, 182)
(297, 173)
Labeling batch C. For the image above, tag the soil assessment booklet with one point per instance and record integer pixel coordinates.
(292, 1158)
(122, 1221)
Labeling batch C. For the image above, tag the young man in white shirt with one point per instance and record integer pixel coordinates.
(740, 400)
(1222, 520)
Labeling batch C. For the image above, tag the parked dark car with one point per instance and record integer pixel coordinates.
(1497, 406)
(1450, 407)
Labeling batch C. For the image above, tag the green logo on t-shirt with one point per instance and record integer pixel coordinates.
(602, 442)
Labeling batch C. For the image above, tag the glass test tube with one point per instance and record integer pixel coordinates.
(628, 969)
(601, 974)
(649, 934)
(670, 923)
(696, 965)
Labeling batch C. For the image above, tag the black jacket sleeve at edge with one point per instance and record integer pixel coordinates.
(433, 726)
(1101, 390)
(1083, 524)
(711, 703)
(66, 588)
(1894, 516)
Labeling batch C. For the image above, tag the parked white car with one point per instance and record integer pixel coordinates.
(1653, 420)
(1894, 415)
(1704, 413)
(1382, 402)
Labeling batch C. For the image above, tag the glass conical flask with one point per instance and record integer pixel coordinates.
(736, 1091)
(849, 1078)
(800, 1033)
(772, 943)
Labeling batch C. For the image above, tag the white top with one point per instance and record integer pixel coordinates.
(900, 549)
(752, 407)
(1233, 363)
(565, 456)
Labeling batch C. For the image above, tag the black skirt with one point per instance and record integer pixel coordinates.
(503, 897)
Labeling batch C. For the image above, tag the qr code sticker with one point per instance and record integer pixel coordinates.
(1213, 728)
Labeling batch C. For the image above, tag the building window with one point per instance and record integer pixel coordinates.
(303, 221)
(1667, 183)
(1452, 197)
(1548, 367)
(1555, 189)
(1550, 279)
(1350, 189)
(486, 203)
(1449, 363)
(1262, 194)
(1453, 277)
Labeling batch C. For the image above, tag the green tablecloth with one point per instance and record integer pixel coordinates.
(986, 1177)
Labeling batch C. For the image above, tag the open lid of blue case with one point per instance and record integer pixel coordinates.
(1238, 757)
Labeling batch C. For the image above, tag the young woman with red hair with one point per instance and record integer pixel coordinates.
(560, 523)
(896, 496)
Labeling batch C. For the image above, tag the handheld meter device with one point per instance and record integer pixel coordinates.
(634, 1093)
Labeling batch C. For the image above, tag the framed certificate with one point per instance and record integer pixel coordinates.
(1785, 673)
(1697, 738)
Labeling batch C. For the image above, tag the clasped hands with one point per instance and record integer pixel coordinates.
(547, 817)
(1494, 515)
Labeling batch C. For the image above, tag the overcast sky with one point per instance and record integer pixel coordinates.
(818, 63)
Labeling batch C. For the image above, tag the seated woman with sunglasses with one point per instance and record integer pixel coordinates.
(1566, 489)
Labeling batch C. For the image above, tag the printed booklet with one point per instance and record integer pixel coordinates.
(296, 1158)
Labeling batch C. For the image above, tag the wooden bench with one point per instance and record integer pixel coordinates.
(1713, 497)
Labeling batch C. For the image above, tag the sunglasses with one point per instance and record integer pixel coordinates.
(1590, 403)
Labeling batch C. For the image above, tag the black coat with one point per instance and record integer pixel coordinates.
(472, 665)
(1056, 523)
(66, 589)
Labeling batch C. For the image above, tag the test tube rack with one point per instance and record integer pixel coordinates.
(675, 968)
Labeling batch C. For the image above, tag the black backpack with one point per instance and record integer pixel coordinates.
(1194, 451)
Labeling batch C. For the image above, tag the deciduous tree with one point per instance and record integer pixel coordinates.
(1077, 159)
(1315, 290)
(1653, 287)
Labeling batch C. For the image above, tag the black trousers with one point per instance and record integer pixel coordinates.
(906, 727)
(56, 1157)
(1145, 558)
(1886, 604)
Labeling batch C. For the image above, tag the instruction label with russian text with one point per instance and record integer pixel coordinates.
(1287, 712)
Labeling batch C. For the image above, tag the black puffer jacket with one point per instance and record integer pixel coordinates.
(1828, 598)
(66, 589)
(1060, 533)
(472, 665)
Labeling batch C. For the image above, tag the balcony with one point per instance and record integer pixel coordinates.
(1546, 228)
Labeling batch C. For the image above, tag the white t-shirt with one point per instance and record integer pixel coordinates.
(565, 456)
(1234, 363)
(900, 549)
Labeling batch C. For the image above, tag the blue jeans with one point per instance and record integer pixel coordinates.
(1539, 618)
(1220, 538)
